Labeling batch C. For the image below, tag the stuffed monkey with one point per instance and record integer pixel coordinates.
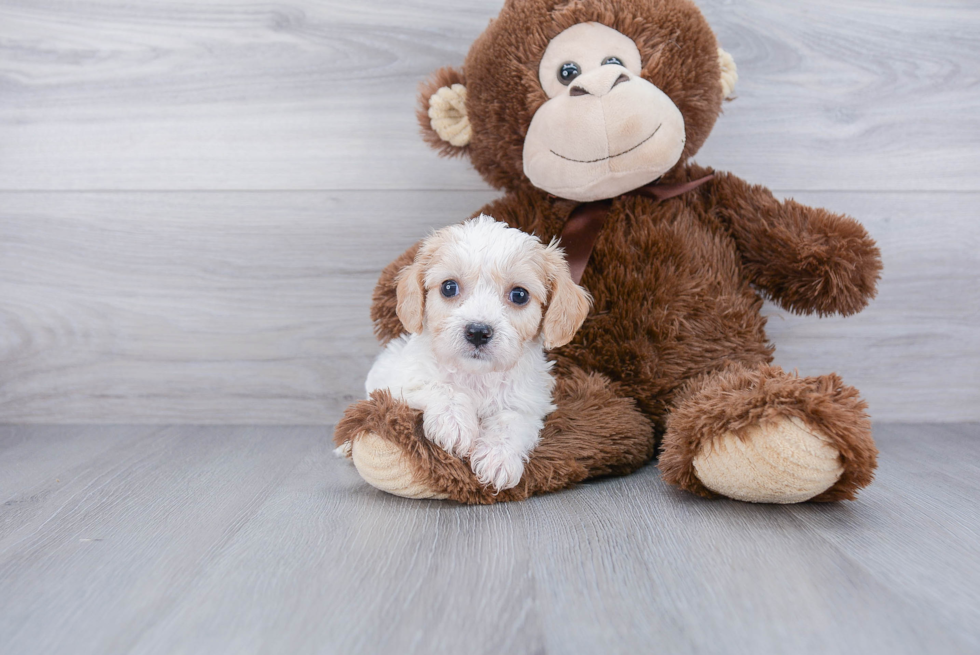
(586, 113)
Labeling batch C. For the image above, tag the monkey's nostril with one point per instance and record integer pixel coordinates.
(478, 334)
(577, 91)
(619, 80)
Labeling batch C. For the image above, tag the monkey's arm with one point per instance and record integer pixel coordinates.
(806, 259)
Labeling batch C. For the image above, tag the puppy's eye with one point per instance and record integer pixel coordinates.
(568, 72)
(519, 296)
(612, 60)
(450, 289)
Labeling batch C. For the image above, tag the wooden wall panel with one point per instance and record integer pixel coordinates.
(253, 307)
(878, 95)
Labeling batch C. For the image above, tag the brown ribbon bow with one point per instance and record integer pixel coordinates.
(585, 222)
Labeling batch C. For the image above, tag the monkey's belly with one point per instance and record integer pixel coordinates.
(681, 310)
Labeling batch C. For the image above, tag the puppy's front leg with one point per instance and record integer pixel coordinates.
(448, 418)
(506, 439)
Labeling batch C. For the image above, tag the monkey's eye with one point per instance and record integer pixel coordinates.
(612, 60)
(568, 72)
(449, 289)
(519, 296)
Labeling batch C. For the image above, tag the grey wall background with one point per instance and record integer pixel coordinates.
(196, 198)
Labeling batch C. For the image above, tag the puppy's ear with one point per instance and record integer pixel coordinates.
(442, 112)
(568, 303)
(410, 293)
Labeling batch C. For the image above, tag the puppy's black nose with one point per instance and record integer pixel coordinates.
(478, 333)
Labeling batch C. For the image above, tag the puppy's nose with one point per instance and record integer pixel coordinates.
(478, 333)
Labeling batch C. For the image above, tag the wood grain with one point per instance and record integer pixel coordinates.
(258, 540)
(217, 185)
(253, 307)
(102, 94)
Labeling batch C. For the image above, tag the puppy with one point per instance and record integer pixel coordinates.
(482, 301)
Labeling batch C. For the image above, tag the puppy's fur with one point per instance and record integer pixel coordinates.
(483, 401)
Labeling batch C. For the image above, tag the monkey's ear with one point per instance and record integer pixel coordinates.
(410, 293)
(729, 73)
(442, 112)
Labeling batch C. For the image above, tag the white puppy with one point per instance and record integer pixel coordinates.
(482, 301)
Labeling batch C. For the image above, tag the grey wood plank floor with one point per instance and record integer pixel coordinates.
(257, 540)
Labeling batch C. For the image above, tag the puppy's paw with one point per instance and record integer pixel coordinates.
(453, 431)
(497, 466)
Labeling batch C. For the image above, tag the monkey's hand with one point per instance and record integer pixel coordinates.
(806, 259)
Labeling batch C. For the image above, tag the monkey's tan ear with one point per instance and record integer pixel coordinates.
(410, 293)
(442, 112)
(729, 73)
(568, 303)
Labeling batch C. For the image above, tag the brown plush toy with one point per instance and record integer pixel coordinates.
(587, 113)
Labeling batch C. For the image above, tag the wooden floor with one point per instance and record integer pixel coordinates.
(257, 540)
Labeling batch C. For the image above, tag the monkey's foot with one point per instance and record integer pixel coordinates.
(765, 436)
(384, 466)
(594, 431)
(774, 462)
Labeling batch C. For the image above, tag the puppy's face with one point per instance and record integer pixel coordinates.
(483, 290)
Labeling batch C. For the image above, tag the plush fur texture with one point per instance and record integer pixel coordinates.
(738, 397)
(595, 431)
(447, 76)
(677, 48)
(674, 349)
(607, 130)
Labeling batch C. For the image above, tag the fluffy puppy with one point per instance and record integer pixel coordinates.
(481, 302)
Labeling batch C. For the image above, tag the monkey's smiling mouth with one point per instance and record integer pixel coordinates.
(619, 154)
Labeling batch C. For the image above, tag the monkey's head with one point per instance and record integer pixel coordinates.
(584, 99)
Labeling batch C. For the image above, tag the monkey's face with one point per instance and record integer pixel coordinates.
(604, 129)
(586, 100)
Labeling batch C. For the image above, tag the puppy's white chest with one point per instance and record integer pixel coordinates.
(488, 392)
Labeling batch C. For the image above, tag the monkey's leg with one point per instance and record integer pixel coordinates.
(595, 431)
(762, 435)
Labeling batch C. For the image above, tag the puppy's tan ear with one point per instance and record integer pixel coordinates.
(442, 112)
(568, 303)
(410, 293)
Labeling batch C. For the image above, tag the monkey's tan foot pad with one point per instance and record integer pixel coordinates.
(384, 466)
(782, 461)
